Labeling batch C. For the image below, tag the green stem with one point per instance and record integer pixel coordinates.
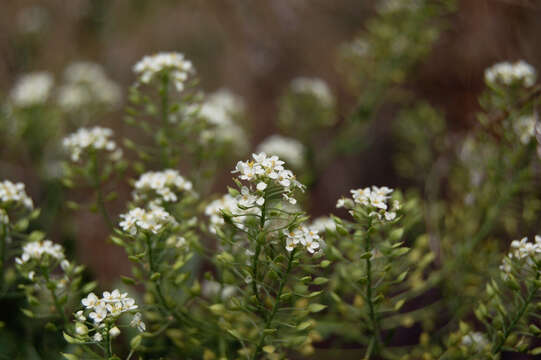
(3, 240)
(255, 259)
(108, 346)
(531, 293)
(268, 323)
(51, 287)
(157, 285)
(164, 93)
(371, 311)
(99, 194)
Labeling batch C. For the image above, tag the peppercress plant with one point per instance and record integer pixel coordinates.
(247, 274)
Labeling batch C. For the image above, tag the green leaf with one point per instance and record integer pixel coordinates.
(135, 342)
(70, 339)
(316, 307)
(304, 325)
(325, 263)
(28, 313)
(320, 280)
(69, 356)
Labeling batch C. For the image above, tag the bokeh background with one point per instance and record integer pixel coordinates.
(255, 48)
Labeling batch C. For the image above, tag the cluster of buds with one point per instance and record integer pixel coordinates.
(101, 315)
(374, 201)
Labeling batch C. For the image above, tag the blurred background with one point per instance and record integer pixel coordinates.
(255, 49)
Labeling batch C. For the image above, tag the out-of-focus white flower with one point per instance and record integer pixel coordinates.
(525, 128)
(322, 224)
(81, 329)
(314, 86)
(476, 340)
(138, 323)
(32, 89)
(153, 220)
(289, 149)
(389, 6)
(172, 63)
(14, 194)
(97, 337)
(32, 19)
(86, 83)
(166, 184)
(96, 138)
(214, 211)
(221, 110)
(210, 289)
(505, 73)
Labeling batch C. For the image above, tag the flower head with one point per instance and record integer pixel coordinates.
(32, 89)
(165, 184)
(154, 220)
(85, 140)
(172, 63)
(505, 73)
(14, 194)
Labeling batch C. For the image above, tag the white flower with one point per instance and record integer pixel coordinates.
(153, 220)
(84, 139)
(221, 107)
(99, 314)
(315, 87)
(32, 89)
(506, 73)
(138, 323)
(13, 194)
(90, 301)
(289, 149)
(213, 211)
(172, 63)
(97, 337)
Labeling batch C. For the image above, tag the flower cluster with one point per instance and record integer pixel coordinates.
(375, 200)
(322, 224)
(305, 236)
(96, 138)
(32, 89)
(154, 220)
(520, 250)
(214, 210)
(106, 309)
(86, 83)
(37, 250)
(265, 170)
(313, 86)
(221, 110)
(172, 63)
(165, 184)
(505, 73)
(14, 194)
(291, 150)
